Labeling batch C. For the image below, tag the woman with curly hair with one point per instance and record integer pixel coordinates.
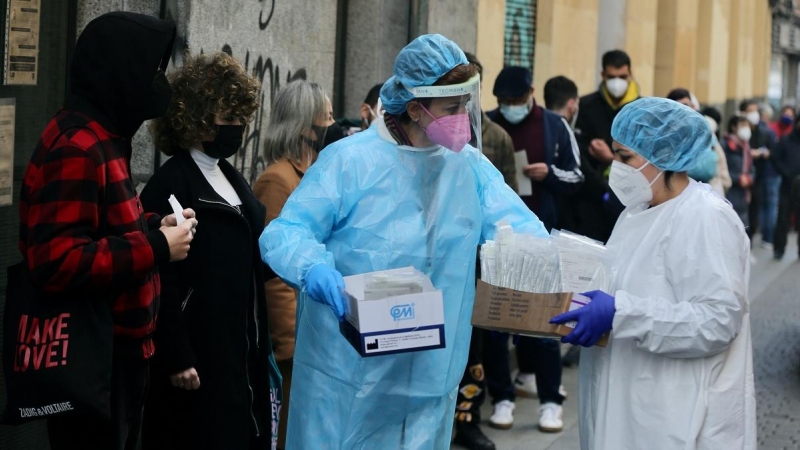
(297, 129)
(211, 378)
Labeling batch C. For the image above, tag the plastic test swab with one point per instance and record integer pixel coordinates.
(177, 208)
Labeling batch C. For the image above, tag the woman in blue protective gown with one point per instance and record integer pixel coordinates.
(410, 191)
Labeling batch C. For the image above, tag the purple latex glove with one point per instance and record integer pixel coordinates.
(325, 285)
(594, 319)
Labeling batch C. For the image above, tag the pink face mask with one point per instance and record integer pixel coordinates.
(451, 132)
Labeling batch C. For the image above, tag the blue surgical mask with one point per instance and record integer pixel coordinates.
(515, 114)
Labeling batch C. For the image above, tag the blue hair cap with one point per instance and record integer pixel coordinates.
(420, 63)
(664, 132)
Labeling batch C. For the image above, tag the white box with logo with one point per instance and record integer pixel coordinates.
(391, 320)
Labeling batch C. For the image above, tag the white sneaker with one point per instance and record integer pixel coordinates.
(525, 386)
(550, 418)
(503, 415)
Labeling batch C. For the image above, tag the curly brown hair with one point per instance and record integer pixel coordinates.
(205, 86)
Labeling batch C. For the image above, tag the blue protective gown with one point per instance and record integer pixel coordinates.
(366, 205)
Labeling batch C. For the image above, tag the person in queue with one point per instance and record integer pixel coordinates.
(83, 234)
(299, 117)
(211, 378)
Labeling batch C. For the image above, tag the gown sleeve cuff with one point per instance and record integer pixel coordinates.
(624, 310)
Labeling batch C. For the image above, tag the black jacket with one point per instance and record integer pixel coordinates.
(786, 159)
(595, 117)
(213, 317)
(763, 136)
(594, 210)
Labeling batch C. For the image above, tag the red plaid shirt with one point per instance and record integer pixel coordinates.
(83, 230)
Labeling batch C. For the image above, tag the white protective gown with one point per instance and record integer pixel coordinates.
(678, 372)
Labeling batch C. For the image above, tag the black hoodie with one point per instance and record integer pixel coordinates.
(786, 158)
(117, 73)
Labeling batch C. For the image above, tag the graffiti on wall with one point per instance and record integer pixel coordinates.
(249, 160)
(170, 12)
(520, 38)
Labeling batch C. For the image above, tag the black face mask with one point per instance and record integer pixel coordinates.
(334, 133)
(319, 143)
(160, 97)
(226, 144)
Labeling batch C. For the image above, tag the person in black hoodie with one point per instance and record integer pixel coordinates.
(786, 160)
(214, 376)
(82, 230)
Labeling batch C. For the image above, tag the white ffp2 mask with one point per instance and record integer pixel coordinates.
(630, 185)
(744, 133)
(753, 117)
(617, 87)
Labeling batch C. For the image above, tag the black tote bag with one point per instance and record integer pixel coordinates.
(57, 352)
(57, 348)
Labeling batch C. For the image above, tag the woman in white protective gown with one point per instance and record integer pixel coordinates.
(678, 370)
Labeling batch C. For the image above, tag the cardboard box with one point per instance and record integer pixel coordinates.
(510, 311)
(404, 323)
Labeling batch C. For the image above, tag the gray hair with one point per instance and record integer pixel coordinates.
(294, 110)
(766, 108)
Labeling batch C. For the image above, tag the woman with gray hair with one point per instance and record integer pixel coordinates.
(297, 127)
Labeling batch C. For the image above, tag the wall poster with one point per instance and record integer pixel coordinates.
(22, 42)
(7, 121)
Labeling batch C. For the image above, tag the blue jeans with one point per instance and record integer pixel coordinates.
(769, 208)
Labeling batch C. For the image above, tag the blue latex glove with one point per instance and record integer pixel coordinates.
(594, 319)
(325, 285)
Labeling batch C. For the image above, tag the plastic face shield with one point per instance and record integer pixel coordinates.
(468, 93)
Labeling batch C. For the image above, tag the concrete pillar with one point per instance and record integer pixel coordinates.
(278, 41)
(713, 40)
(456, 19)
(762, 49)
(740, 51)
(611, 30)
(376, 32)
(675, 45)
(629, 25)
(641, 18)
(559, 50)
(490, 46)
